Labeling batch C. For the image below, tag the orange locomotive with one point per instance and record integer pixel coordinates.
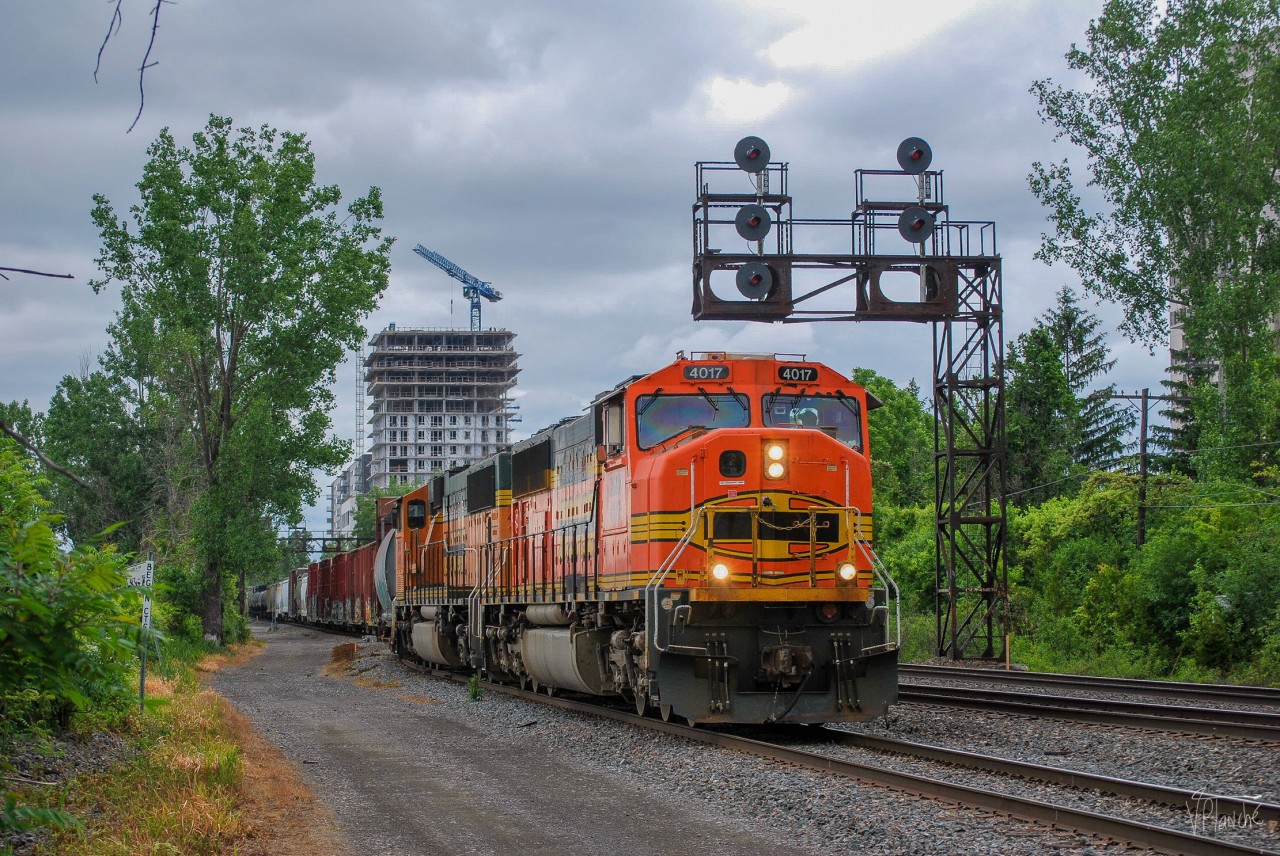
(697, 542)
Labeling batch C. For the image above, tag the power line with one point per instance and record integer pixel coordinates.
(1223, 505)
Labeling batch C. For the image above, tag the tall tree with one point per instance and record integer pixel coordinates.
(1178, 121)
(242, 289)
(1039, 407)
(1097, 425)
(1059, 419)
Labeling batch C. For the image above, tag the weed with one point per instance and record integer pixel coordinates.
(473, 687)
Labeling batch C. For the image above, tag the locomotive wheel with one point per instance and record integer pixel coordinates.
(642, 702)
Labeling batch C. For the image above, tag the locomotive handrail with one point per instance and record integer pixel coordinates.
(881, 573)
(660, 576)
(475, 620)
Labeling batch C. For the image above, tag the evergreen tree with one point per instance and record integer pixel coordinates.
(1098, 425)
(1039, 410)
(1058, 421)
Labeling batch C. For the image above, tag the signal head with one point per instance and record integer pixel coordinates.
(751, 154)
(753, 222)
(755, 280)
(914, 155)
(915, 224)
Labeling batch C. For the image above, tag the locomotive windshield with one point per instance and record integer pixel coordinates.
(838, 415)
(660, 417)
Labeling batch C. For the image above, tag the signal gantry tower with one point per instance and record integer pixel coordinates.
(898, 257)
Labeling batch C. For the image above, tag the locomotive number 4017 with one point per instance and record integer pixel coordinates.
(706, 372)
(797, 374)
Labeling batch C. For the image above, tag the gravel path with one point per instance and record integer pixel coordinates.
(410, 764)
(420, 769)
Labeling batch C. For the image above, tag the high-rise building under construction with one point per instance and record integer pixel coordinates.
(438, 398)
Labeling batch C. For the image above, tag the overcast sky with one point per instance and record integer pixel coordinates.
(548, 148)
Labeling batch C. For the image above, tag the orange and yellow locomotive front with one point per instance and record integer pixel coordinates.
(750, 529)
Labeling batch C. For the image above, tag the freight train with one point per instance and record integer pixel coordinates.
(697, 542)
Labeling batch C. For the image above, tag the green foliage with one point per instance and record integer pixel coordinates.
(919, 635)
(242, 288)
(92, 430)
(367, 509)
(1178, 120)
(474, 690)
(67, 625)
(21, 418)
(901, 441)
(17, 818)
(906, 543)
(1038, 402)
(1199, 601)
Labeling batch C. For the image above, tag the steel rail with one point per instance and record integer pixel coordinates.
(1162, 794)
(1170, 689)
(1134, 832)
(1213, 721)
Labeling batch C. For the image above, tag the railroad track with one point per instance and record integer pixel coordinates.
(1063, 816)
(1250, 725)
(1229, 693)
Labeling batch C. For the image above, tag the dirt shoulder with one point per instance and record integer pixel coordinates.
(282, 814)
(419, 769)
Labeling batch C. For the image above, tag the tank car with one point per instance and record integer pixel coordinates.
(698, 542)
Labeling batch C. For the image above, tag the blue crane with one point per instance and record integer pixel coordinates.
(472, 288)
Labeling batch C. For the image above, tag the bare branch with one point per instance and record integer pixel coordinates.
(142, 70)
(36, 273)
(44, 459)
(113, 26)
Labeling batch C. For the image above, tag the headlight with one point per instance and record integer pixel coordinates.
(847, 572)
(720, 571)
(775, 470)
(775, 452)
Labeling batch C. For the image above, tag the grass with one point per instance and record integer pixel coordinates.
(178, 795)
(184, 789)
(199, 780)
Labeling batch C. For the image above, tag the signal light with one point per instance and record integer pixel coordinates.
(914, 155)
(915, 224)
(755, 280)
(753, 222)
(751, 154)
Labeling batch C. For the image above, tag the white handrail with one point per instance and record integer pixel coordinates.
(660, 576)
(881, 572)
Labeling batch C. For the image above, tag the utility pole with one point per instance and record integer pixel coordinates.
(1144, 400)
(1142, 470)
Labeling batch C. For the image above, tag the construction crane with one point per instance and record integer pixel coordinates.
(472, 288)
